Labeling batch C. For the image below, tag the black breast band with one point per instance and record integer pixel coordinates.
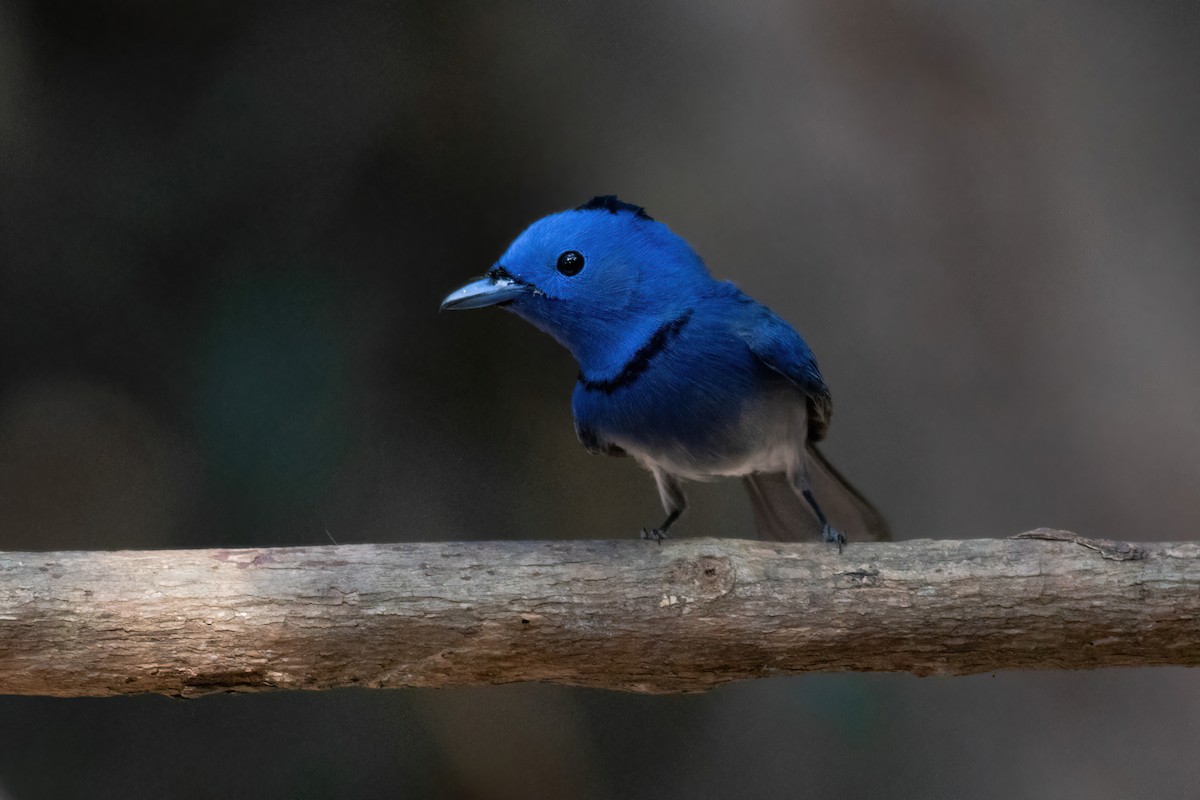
(640, 361)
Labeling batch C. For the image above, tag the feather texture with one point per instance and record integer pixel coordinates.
(684, 373)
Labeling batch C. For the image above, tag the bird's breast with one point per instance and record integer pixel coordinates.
(700, 412)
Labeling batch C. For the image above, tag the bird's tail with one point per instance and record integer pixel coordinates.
(782, 514)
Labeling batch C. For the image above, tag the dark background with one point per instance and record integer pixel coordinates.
(225, 228)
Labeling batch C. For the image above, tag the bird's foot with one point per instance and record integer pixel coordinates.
(655, 534)
(833, 536)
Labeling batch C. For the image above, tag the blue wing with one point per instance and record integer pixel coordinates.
(777, 345)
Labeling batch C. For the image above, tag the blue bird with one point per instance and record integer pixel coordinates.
(684, 373)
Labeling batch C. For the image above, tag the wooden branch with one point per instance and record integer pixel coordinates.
(682, 616)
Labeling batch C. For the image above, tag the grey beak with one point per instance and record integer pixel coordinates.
(483, 292)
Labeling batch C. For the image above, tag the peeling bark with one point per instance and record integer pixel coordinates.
(686, 615)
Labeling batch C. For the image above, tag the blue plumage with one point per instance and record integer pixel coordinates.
(685, 373)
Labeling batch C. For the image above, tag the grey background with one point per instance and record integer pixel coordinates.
(225, 229)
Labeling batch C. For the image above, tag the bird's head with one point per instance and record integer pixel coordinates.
(591, 277)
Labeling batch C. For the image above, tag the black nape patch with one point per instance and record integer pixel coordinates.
(612, 204)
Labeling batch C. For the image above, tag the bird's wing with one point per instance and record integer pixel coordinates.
(776, 344)
(592, 442)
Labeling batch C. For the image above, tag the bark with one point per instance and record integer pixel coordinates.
(685, 615)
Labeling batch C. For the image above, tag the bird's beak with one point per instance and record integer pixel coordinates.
(483, 292)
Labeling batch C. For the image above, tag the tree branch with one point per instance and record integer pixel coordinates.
(682, 616)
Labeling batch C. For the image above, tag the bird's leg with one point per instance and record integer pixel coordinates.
(662, 532)
(674, 501)
(801, 484)
(828, 532)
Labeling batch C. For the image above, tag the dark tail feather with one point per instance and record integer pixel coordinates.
(847, 509)
(780, 514)
(783, 515)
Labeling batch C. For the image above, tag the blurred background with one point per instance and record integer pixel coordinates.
(225, 228)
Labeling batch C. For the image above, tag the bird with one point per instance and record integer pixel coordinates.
(683, 372)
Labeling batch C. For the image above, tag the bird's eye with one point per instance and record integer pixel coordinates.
(570, 262)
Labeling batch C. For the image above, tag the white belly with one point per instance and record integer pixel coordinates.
(769, 436)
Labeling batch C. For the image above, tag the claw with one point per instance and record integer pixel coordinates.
(655, 534)
(833, 536)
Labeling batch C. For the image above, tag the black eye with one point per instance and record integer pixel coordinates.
(570, 262)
